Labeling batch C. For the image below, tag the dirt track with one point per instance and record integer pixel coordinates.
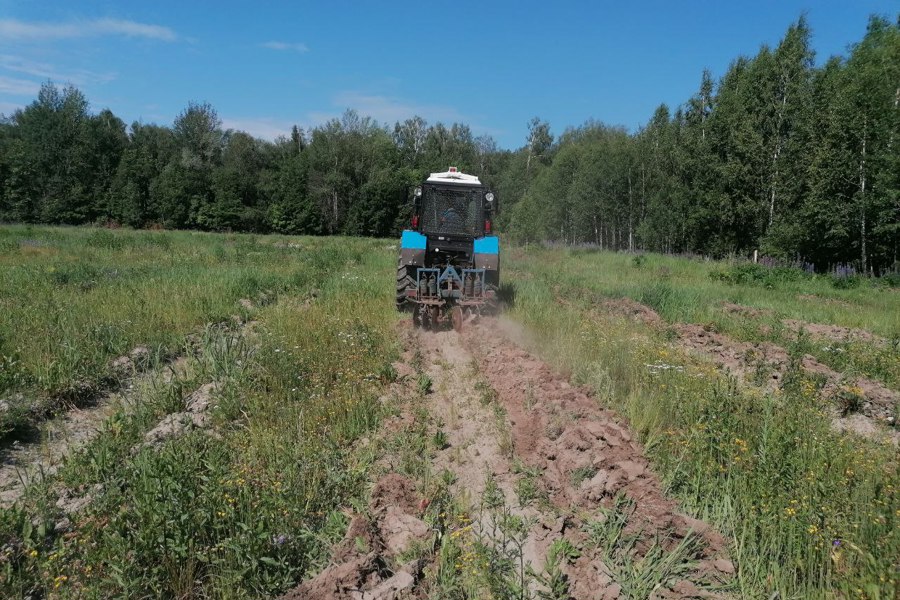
(503, 412)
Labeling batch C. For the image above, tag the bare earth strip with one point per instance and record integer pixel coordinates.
(588, 458)
(504, 411)
(30, 460)
(764, 364)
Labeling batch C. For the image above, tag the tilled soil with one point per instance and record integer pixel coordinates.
(498, 405)
(360, 568)
(586, 457)
(764, 364)
(821, 331)
(479, 447)
(29, 460)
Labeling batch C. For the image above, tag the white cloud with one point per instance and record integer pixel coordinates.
(263, 127)
(13, 29)
(295, 46)
(20, 64)
(18, 87)
(390, 110)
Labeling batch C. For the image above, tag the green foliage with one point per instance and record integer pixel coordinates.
(424, 384)
(846, 282)
(777, 156)
(756, 274)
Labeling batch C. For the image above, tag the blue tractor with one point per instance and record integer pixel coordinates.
(449, 267)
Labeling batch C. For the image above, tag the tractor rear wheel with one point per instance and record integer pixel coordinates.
(405, 282)
(456, 317)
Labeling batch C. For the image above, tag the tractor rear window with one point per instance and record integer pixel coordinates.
(451, 211)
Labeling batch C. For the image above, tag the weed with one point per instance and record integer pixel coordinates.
(582, 474)
(554, 580)
(424, 384)
(439, 440)
(849, 400)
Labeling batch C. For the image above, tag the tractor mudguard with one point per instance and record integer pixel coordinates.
(412, 248)
(487, 253)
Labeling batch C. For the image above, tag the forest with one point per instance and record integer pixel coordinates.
(778, 155)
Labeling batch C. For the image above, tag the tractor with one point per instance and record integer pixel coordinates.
(449, 269)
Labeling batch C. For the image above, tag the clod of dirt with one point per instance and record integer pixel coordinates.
(726, 566)
(247, 304)
(196, 416)
(137, 359)
(745, 311)
(346, 580)
(592, 580)
(359, 569)
(399, 530)
(821, 300)
(632, 309)
(70, 501)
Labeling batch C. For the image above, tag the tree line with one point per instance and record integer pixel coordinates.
(799, 162)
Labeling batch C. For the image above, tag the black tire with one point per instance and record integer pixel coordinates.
(405, 282)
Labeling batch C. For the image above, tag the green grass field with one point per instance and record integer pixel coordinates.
(297, 336)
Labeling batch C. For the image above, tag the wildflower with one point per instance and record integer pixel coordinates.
(33, 553)
(812, 529)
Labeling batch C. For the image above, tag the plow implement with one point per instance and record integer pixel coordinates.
(449, 294)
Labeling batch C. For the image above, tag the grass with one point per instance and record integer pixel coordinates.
(812, 512)
(684, 290)
(71, 300)
(251, 507)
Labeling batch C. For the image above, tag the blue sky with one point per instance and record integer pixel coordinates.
(267, 65)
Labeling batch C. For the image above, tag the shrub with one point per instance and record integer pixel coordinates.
(756, 274)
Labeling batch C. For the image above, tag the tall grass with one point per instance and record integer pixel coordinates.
(73, 299)
(249, 507)
(683, 290)
(812, 512)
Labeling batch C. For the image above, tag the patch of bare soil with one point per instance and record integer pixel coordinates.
(834, 332)
(765, 365)
(745, 311)
(24, 461)
(821, 300)
(632, 309)
(361, 566)
(587, 458)
(479, 449)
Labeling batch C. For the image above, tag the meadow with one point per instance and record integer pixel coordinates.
(293, 339)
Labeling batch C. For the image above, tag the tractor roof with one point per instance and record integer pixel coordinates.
(453, 176)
